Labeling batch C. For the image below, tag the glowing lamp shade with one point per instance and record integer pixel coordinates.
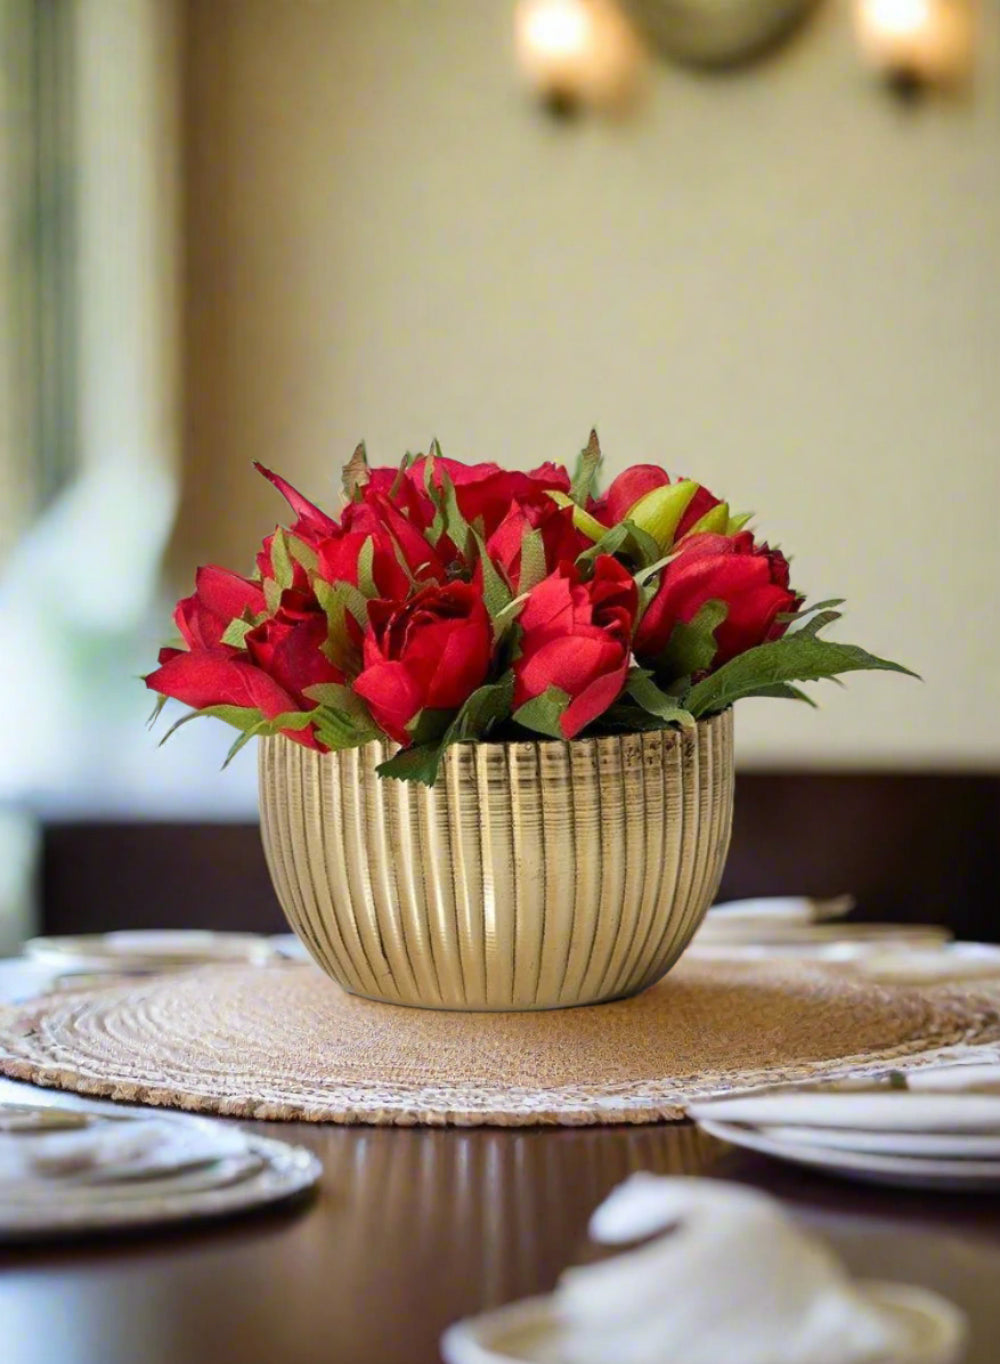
(575, 52)
(923, 41)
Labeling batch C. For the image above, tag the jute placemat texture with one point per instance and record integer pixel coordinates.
(284, 1042)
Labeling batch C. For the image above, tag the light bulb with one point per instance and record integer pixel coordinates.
(576, 52)
(916, 41)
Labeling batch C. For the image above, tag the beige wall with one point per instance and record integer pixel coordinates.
(781, 282)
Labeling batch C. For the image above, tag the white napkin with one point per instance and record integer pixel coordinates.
(731, 1278)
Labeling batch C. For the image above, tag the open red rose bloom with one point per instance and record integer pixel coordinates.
(450, 601)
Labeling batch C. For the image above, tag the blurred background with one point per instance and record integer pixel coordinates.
(757, 241)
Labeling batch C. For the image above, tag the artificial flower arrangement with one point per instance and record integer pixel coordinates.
(454, 602)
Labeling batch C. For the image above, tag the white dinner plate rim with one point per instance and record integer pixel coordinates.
(902, 1111)
(952, 1174)
(285, 1172)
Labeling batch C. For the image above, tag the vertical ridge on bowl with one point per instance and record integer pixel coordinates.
(533, 875)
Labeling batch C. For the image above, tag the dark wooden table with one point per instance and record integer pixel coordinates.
(413, 1228)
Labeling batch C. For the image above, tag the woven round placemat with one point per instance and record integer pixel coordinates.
(284, 1042)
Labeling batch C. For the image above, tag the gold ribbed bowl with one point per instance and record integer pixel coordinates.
(532, 876)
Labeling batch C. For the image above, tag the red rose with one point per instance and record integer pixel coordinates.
(288, 646)
(752, 581)
(217, 677)
(430, 653)
(560, 538)
(576, 636)
(397, 544)
(281, 658)
(219, 598)
(483, 491)
(635, 483)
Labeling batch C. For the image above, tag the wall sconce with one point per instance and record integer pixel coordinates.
(577, 52)
(916, 43)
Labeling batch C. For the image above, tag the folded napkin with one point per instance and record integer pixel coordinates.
(711, 1273)
(733, 1278)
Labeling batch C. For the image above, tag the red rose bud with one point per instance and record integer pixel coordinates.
(668, 516)
(289, 647)
(431, 653)
(751, 580)
(560, 537)
(576, 637)
(219, 598)
(400, 551)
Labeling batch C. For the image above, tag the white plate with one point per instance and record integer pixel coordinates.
(956, 1176)
(213, 1174)
(949, 1145)
(946, 1079)
(884, 1111)
(529, 1333)
(933, 965)
(282, 1172)
(798, 909)
(777, 931)
(152, 949)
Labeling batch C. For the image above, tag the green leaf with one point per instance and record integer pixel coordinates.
(338, 731)
(737, 522)
(692, 646)
(366, 566)
(242, 740)
(282, 569)
(486, 707)
(533, 566)
(420, 764)
(587, 464)
(344, 699)
(236, 632)
(804, 611)
(356, 473)
(158, 705)
(794, 658)
(786, 692)
(640, 545)
(543, 713)
(407, 463)
(497, 595)
(583, 521)
(291, 719)
(625, 538)
(302, 553)
(644, 691)
(428, 726)
(272, 596)
(240, 717)
(818, 622)
(507, 619)
(339, 600)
